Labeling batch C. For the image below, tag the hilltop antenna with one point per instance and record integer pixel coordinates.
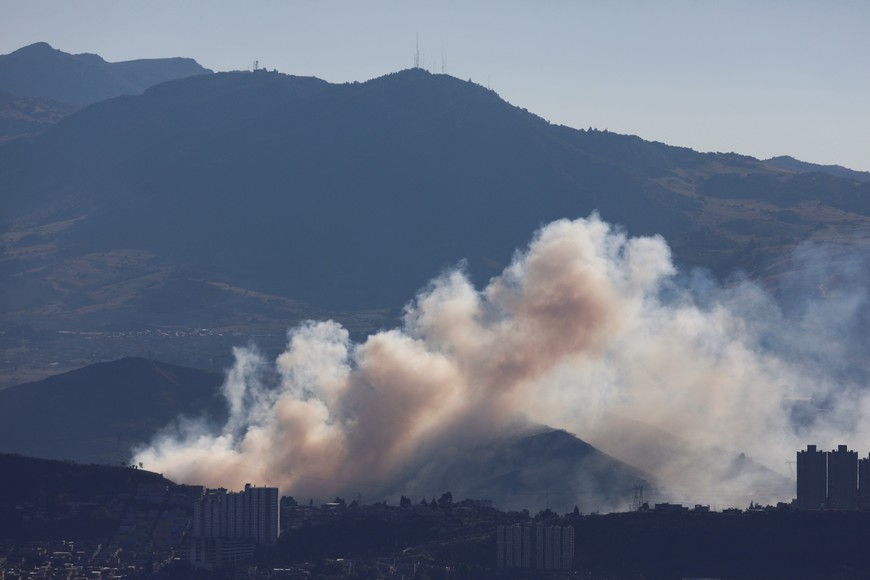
(256, 65)
(637, 498)
(417, 52)
(442, 60)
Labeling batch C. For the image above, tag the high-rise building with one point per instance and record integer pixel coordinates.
(261, 513)
(514, 544)
(864, 482)
(843, 478)
(227, 525)
(812, 476)
(535, 546)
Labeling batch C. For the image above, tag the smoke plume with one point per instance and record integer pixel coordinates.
(587, 330)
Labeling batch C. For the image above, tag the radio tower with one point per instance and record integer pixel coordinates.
(637, 499)
(417, 53)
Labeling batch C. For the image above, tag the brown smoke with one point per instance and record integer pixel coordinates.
(574, 333)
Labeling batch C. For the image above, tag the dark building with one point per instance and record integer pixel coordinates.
(514, 547)
(812, 477)
(843, 478)
(864, 482)
(538, 546)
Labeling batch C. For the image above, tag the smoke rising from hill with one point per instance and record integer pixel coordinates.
(587, 330)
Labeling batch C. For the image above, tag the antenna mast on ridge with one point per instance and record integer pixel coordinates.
(417, 53)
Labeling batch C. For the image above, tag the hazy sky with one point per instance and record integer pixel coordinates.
(762, 78)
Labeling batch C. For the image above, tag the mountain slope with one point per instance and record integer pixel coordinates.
(794, 165)
(382, 184)
(21, 116)
(536, 469)
(41, 71)
(95, 414)
(339, 198)
(696, 473)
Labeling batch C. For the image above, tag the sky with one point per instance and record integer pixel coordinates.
(761, 78)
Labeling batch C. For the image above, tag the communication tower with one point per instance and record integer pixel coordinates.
(637, 498)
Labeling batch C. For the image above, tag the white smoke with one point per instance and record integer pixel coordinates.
(587, 330)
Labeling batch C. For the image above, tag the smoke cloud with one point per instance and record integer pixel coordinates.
(588, 330)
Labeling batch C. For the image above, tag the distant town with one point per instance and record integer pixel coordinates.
(75, 521)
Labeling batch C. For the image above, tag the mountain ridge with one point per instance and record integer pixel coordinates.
(349, 198)
(39, 70)
(789, 163)
(95, 413)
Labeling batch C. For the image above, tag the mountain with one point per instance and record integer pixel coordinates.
(40, 85)
(537, 469)
(795, 166)
(95, 414)
(254, 200)
(697, 473)
(44, 72)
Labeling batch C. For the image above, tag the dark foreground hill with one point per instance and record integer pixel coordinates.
(42, 499)
(94, 414)
(252, 200)
(31, 478)
(38, 70)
